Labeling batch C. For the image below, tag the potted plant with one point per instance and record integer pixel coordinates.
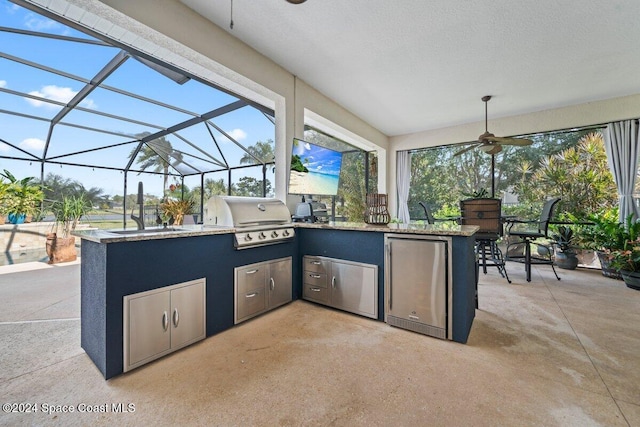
(4, 200)
(174, 210)
(627, 261)
(22, 198)
(607, 235)
(67, 212)
(565, 255)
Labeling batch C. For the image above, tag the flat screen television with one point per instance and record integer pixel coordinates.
(314, 169)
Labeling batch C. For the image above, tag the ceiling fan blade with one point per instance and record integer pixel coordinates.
(465, 149)
(521, 142)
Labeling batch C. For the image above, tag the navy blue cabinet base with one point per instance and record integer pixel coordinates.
(113, 267)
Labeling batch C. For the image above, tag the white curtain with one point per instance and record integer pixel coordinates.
(621, 145)
(403, 179)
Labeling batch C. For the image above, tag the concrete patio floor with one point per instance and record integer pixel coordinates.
(549, 352)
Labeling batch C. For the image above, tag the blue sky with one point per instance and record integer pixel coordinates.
(318, 159)
(246, 125)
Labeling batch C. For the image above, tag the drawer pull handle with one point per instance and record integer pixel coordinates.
(165, 321)
(252, 271)
(251, 295)
(315, 289)
(315, 276)
(316, 262)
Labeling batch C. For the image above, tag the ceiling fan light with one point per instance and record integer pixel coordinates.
(486, 147)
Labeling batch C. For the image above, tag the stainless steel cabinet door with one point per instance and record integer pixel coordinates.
(149, 326)
(418, 281)
(251, 298)
(353, 287)
(187, 315)
(279, 284)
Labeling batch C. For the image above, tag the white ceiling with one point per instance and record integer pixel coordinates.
(412, 65)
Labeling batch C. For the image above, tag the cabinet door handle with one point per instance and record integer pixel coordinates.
(315, 276)
(333, 282)
(252, 271)
(251, 295)
(314, 289)
(165, 321)
(176, 318)
(273, 283)
(316, 262)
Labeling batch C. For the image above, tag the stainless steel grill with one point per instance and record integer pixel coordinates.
(258, 221)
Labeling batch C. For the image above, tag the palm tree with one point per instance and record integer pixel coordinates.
(261, 150)
(157, 155)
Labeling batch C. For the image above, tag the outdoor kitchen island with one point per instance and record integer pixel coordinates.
(114, 266)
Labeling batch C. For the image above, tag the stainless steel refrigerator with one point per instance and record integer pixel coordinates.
(418, 293)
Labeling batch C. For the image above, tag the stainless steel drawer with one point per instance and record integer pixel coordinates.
(315, 279)
(250, 303)
(315, 293)
(250, 295)
(315, 265)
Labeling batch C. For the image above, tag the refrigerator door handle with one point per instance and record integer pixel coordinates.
(390, 297)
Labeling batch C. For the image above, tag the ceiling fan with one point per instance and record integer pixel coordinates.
(488, 142)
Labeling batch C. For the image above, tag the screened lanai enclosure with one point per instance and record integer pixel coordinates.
(76, 106)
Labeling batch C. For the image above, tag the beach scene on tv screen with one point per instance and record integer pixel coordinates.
(314, 169)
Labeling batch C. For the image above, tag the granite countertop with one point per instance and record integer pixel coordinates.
(150, 233)
(153, 233)
(438, 229)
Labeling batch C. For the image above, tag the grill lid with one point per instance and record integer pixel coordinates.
(242, 212)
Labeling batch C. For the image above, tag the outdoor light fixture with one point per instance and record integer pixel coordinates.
(490, 148)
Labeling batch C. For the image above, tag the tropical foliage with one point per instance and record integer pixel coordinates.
(56, 187)
(296, 164)
(68, 211)
(173, 211)
(627, 258)
(352, 189)
(21, 196)
(261, 150)
(571, 165)
(157, 155)
(579, 175)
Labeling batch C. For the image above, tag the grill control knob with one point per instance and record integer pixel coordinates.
(285, 233)
(274, 234)
(248, 238)
(262, 236)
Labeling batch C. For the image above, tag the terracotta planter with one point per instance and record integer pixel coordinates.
(61, 249)
(631, 279)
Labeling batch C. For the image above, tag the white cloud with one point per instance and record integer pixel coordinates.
(13, 8)
(237, 134)
(38, 23)
(57, 93)
(32, 144)
(4, 147)
(3, 83)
